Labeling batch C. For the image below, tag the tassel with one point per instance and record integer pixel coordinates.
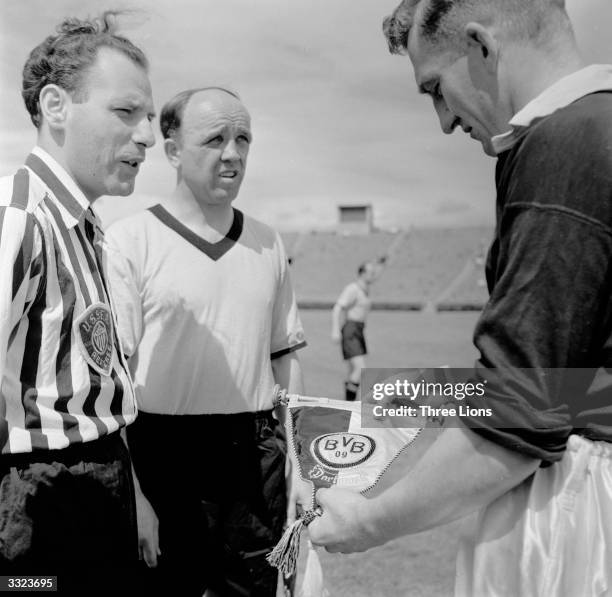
(312, 585)
(285, 555)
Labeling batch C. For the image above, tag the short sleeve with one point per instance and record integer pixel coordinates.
(287, 330)
(348, 297)
(124, 282)
(21, 271)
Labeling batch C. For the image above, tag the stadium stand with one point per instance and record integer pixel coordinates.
(431, 268)
(470, 290)
(327, 262)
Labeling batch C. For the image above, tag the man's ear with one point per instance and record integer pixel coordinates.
(54, 105)
(172, 151)
(482, 47)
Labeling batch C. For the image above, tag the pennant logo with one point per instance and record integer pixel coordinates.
(342, 450)
(94, 331)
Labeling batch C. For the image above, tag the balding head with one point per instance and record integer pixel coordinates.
(207, 138)
(172, 112)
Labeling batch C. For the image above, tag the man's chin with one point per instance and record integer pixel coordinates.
(488, 148)
(121, 189)
(226, 197)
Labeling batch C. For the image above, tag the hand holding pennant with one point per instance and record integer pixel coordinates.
(332, 449)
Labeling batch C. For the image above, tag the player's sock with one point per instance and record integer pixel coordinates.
(350, 390)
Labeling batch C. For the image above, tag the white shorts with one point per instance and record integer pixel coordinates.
(549, 537)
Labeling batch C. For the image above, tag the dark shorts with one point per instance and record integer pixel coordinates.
(353, 340)
(217, 484)
(70, 513)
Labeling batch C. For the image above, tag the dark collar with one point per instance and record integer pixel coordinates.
(213, 250)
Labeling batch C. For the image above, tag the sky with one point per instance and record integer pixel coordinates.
(336, 119)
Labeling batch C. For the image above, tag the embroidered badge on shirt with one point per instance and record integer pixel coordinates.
(94, 332)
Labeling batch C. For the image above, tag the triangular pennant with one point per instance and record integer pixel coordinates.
(330, 447)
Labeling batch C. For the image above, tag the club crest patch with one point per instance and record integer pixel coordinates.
(342, 450)
(94, 332)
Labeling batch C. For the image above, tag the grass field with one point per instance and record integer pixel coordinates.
(420, 565)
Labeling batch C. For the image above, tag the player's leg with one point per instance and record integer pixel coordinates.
(353, 351)
(355, 365)
(256, 506)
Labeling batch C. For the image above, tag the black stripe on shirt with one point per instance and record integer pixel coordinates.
(116, 406)
(91, 263)
(70, 249)
(21, 189)
(89, 406)
(63, 362)
(63, 195)
(24, 256)
(283, 351)
(29, 370)
(39, 265)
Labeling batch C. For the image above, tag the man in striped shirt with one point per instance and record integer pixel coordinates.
(66, 492)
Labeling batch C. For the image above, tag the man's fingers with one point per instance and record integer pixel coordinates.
(321, 497)
(150, 555)
(313, 535)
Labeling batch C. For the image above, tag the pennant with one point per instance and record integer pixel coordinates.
(331, 448)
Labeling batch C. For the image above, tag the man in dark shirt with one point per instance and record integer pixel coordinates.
(540, 468)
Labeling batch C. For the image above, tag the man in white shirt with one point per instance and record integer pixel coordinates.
(209, 321)
(348, 324)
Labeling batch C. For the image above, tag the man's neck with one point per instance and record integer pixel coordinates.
(537, 72)
(211, 222)
(45, 142)
(363, 284)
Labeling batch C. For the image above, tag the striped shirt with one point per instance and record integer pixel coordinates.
(62, 375)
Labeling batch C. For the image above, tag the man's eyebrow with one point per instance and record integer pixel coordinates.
(134, 103)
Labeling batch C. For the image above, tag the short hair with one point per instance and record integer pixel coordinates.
(441, 21)
(397, 26)
(172, 112)
(363, 267)
(63, 59)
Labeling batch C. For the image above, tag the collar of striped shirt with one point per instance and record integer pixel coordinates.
(591, 79)
(72, 203)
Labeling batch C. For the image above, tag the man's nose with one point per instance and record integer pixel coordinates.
(448, 121)
(143, 134)
(230, 152)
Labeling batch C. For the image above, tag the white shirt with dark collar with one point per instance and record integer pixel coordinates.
(202, 322)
